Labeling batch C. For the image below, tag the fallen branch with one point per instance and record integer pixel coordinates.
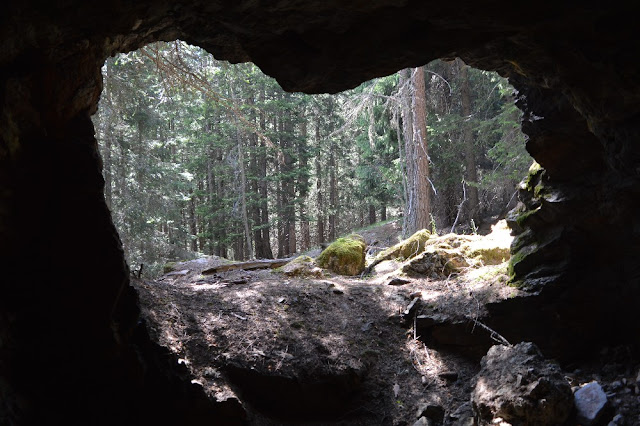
(248, 266)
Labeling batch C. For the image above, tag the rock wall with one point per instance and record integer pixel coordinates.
(68, 318)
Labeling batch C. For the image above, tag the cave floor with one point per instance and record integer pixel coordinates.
(340, 350)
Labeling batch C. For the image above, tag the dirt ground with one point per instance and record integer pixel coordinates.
(334, 349)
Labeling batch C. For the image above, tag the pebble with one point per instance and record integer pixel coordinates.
(449, 375)
(590, 402)
(423, 421)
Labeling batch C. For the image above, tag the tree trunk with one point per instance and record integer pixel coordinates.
(471, 175)
(372, 214)
(265, 240)
(333, 194)
(320, 192)
(414, 117)
(421, 177)
(303, 185)
(243, 198)
(408, 224)
(193, 229)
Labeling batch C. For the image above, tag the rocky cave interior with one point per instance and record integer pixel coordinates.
(72, 347)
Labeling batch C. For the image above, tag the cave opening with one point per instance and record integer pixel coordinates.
(172, 120)
(73, 314)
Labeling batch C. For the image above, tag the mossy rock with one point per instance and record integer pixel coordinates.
(489, 255)
(345, 256)
(408, 248)
(436, 262)
(301, 266)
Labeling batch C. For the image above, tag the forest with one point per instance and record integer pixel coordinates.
(202, 157)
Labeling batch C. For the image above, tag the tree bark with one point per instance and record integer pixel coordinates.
(372, 214)
(421, 172)
(320, 192)
(471, 175)
(264, 250)
(333, 194)
(193, 229)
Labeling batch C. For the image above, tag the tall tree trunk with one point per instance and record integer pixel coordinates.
(211, 197)
(254, 172)
(247, 250)
(281, 223)
(201, 222)
(414, 116)
(283, 243)
(243, 199)
(333, 193)
(408, 224)
(422, 185)
(372, 214)
(265, 241)
(319, 190)
(303, 185)
(471, 175)
(193, 229)
(289, 189)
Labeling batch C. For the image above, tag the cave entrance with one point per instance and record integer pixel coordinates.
(206, 158)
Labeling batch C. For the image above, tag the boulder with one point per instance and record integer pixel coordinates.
(406, 249)
(491, 249)
(345, 256)
(519, 386)
(590, 401)
(302, 266)
(436, 261)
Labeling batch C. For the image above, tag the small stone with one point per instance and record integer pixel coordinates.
(432, 411)
(462, 416)
(423, 421)
(462, 411)
(398, 281)
(618, 419)
(590, 402)
(451, 376)
(614, 386)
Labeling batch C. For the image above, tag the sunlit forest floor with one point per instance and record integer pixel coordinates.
(342, 350)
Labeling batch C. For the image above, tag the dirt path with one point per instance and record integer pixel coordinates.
(313, 351)
(347, 351)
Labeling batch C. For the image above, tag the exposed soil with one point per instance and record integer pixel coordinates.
(338, 350)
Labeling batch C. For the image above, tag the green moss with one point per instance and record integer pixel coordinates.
(408, 248)
(515, 284)
(301, 266)
(169, 267)
(522, 217)
(534, 168)
(344, 256)
(535, 172)
(302, 259)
